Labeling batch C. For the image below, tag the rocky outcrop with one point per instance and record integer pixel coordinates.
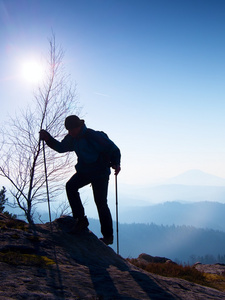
(146, 259)
(46, 262)
(218, 269)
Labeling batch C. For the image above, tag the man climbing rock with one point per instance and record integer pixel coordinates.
(96, 153)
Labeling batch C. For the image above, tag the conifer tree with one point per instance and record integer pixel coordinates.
(3, 199)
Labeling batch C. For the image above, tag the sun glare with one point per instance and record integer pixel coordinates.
(32, 71)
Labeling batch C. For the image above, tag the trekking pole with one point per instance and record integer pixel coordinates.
(46, 180)
(117, 225)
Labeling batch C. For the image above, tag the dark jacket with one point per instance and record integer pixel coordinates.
(95, 151)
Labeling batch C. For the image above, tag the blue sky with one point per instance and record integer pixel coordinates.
(150, 74)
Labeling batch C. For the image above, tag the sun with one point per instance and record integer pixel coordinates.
(32, 71)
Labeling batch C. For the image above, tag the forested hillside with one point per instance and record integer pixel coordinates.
(199, 214)
(183, 244)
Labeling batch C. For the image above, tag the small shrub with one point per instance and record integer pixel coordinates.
(172, 270)
(188, 273)
(14, 224)
(213, 277)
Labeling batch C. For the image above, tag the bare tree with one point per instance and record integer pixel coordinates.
(21, 150)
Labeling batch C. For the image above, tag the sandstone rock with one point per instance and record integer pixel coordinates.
(45, 262)
(146, 258)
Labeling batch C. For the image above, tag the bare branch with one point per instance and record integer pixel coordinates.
(21, 158)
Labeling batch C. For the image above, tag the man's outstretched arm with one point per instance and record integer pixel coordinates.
(64, 146)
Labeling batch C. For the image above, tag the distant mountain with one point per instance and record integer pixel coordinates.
(191, 186)
(196, 178)
(171, 192)
(185, 193)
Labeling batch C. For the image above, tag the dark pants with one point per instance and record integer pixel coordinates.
(100, 190)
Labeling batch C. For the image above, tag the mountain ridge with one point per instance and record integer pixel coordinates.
(204, 214)
(196, 177)
(190, 186)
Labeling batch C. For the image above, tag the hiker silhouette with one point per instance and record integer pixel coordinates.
(96, 154)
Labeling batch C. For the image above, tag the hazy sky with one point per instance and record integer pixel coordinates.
(151, 74)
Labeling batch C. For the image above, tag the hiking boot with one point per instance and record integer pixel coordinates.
(80, 225)
(107, 240)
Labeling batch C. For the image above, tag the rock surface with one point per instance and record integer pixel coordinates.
(77, 267)
(146, 258)
(218, 269)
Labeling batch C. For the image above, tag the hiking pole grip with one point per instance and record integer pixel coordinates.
(117, 225)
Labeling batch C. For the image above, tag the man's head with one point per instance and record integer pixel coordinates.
(73, 124)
